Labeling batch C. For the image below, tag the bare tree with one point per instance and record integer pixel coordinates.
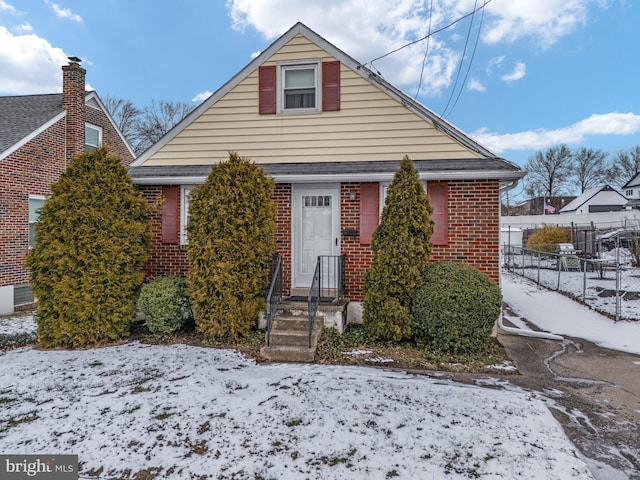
(125, 114)
(590, 168)
(156, 120)
(625, 166)
(549, 171)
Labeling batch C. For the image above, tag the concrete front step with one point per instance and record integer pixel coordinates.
(288, 354)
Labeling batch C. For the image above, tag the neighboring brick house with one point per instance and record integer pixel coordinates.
(331, 133)
(39, 136)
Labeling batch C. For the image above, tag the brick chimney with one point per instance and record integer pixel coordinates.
(73, 77)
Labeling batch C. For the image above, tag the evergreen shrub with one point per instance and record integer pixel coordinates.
(547, 238)
(92, 239)
(165, 305)
(455, 308)
(401, 246)
(231, 241)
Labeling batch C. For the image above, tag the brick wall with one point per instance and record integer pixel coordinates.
(474, 226)
(29, 170)
(473, 233)
(164, 259)
(110, 137)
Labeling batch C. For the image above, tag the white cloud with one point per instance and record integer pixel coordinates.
(5, 7)
(367, 30)
(29, 64)
(476, 85)
(543, 21)
(597, 124)
(64, 12)
(25, 27)
(518, 72)
(201, 97)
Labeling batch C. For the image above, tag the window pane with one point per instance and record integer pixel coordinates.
(91, 136)
(300, 98)
(35, 204)
(300, 78)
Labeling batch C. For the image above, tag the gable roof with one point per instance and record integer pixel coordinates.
(477, 151)
(23, 117)
(634, 182)
(587, 195)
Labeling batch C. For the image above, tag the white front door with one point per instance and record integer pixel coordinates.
(316, 226)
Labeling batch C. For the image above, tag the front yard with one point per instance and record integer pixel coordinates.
(180, 411)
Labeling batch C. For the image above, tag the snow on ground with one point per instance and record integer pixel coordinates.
(555, 313)
(17, 324)
(190, 411)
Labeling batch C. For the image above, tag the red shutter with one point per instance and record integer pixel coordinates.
(170, 214)
(438, 196)
(330, 86)
(267, 90)
(369, 209)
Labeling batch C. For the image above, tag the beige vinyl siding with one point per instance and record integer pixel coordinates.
(370, 126)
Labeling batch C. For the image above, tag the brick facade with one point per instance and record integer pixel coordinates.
(32, 168)
(473, 233)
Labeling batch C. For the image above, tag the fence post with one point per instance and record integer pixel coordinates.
(584, 281)
(559, 261)
(523, 262)
(538, 253)
(618, 298)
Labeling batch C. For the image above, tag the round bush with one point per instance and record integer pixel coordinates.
(165, 305)
(455, 308)
(547, 238)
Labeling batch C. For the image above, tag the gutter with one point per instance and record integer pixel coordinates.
(526, 333)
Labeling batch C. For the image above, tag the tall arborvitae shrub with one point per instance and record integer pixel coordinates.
(92, 240)
(231, 239)
(401, 246)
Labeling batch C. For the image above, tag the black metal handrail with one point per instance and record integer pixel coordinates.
(275, 293)
(328, 285)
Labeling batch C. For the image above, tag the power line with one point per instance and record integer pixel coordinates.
(466, 75)
(464, 52)
(431, 33)
(426, 52)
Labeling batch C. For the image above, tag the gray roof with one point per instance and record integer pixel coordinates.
(496, 168)
(22, 115)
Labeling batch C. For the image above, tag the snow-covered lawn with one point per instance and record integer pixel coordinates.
(188, 411)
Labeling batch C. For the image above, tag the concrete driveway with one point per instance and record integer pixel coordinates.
(592, 391)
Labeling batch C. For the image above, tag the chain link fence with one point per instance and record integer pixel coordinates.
(607, 280)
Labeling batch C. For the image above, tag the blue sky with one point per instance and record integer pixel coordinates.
(535, 73)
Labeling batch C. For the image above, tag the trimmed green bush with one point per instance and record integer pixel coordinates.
(401, 246)
(547, 238)
(455, 308)
(92, 240)
(231, 240)
(165, 305)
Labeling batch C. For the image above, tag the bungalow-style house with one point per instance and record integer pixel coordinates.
(597, 199)
(331, 133)
(39, 135)
(632, 192)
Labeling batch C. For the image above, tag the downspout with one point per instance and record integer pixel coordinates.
(526, 333)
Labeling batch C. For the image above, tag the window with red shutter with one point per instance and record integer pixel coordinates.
(330, 86)
(369, 205)
(170, 214)
(267, 90)
(438, 196)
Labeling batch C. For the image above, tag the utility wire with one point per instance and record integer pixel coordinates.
(426, 52)
(473, 54)
(430, 34)
(464, 52)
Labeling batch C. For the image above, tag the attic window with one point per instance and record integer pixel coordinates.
(92, 137)
(299, 87)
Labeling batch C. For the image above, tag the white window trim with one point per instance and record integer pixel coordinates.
(314, 63)
(99, 130)
(185, 190)
(383, 194)
(29, 222)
